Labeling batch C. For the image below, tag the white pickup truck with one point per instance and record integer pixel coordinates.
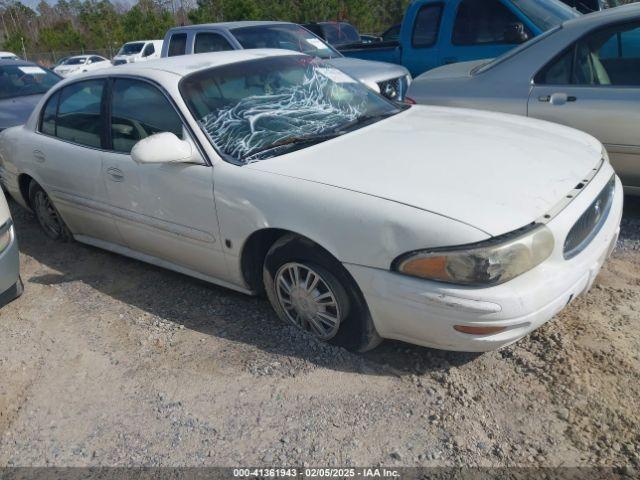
(389, 79)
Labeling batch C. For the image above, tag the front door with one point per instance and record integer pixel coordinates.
(165, 211)
(595, 87)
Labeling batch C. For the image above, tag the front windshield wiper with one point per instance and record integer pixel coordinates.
(321, 137)
(295, 141)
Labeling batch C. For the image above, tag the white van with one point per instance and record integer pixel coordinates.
(138, 51)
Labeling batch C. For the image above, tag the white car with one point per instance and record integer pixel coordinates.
(81, 64)
(10, 283)
(362, 219)
(8, 56)
(139, 51)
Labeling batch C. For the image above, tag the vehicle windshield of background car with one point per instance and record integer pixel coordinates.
(263, 108)
(285, 36)
(75, 61)
(131, 48)
(546, 14)
(23, 80)
(489, 64)
(340, 33)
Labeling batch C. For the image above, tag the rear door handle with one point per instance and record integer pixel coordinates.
(115, 174)
(448, 60)
(38, 156)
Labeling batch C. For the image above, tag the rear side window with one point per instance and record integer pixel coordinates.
(139, 110)
(48, 122)
(78, 119)
(178, 44)
(426, 26)
(481, 22)
(149, 50)
(210, 42)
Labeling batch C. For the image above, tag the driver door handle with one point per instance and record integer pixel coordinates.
(557, 98)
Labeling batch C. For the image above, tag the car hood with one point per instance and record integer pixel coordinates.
(16, 111)
(453, 70)
(367, 71)
(493, 171)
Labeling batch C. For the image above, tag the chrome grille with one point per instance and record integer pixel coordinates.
(590, 222)
(392, 89)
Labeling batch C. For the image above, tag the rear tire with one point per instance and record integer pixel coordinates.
(47, 214)
(310, 289)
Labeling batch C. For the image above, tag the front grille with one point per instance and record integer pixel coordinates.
(590, 222)
(392, 89)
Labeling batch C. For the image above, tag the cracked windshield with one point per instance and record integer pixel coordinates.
(263, 108)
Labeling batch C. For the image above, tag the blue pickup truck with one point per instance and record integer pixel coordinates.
(438, 32)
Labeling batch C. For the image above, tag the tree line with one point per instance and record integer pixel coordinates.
(104, 25)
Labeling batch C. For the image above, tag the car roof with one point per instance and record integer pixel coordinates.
(231, 25)
(629, 12)
(23, 63)
(186, 64)
(141, 41)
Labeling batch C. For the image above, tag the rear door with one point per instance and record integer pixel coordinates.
(166, 211)
(594, 86)
(68, 158)
(422, 36)
(480, 29)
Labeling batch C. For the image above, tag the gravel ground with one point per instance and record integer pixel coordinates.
(109, 361)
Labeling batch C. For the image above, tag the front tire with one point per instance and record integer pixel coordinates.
(47, 214)
(310, 289)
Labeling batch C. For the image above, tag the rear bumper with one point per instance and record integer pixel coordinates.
(424, 312)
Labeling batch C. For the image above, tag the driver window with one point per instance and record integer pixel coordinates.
(139, 110)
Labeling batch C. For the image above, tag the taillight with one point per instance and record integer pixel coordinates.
(409, 101)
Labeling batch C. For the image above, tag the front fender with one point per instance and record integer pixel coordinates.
(354, 227)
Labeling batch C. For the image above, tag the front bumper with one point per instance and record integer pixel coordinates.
(10, 283)
(424, 312)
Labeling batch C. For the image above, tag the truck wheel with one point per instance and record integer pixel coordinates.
(310, 289)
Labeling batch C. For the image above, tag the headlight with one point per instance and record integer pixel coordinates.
(491, 262)
(6, 231)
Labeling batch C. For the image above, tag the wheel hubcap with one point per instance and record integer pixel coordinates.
(46, 214)
(307, 300)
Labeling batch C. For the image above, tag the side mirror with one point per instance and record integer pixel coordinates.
(515, 33)
(164, 147)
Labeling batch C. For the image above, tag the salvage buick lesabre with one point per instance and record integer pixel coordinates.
(265, 170)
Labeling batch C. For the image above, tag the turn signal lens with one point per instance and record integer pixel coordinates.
(478, 330)
(482, 264)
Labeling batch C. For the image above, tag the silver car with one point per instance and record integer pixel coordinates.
(389, 79)
(584, 73)
(10, 282)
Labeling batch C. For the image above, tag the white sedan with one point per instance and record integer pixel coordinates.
(264, 170)
(81, 64)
